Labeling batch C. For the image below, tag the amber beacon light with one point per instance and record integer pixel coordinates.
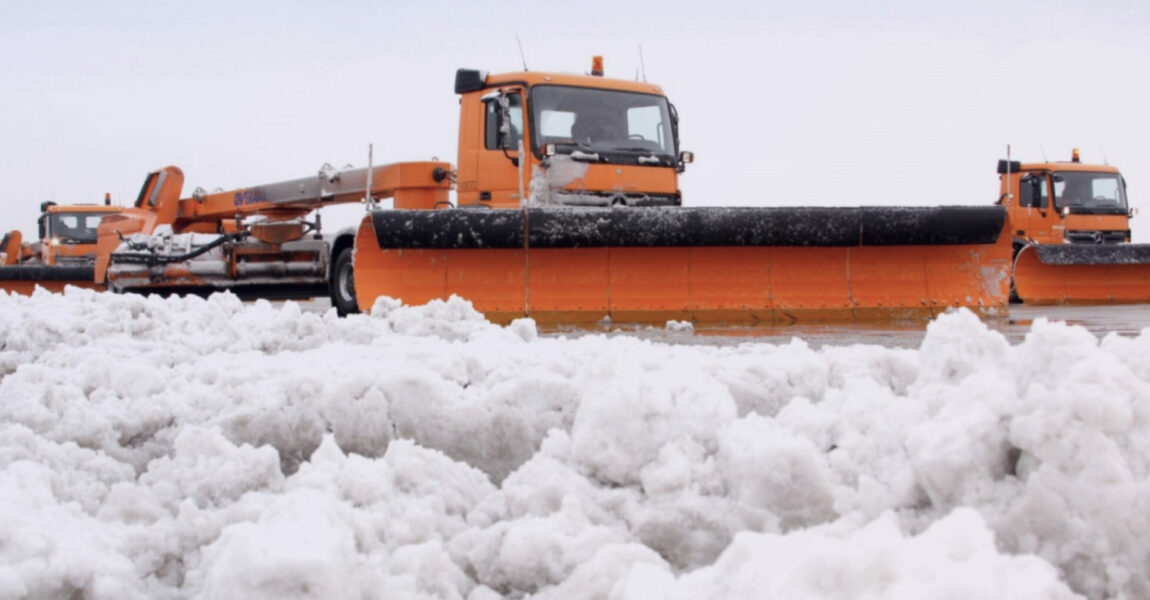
(597, 66)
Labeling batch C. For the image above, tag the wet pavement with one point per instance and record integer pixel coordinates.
(1127, 320)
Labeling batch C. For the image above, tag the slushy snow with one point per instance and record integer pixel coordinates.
(191, 448)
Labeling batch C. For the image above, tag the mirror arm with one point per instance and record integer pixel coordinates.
(514, 159)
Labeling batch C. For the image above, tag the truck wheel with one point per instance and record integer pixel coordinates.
(1014, 299)
(343, 284)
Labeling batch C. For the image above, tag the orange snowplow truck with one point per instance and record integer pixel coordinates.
(1070, 224)
(540, 144)
(64, 254)
(567, 210)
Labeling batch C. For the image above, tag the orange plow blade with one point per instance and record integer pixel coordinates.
(767, 265)
(1083, 274)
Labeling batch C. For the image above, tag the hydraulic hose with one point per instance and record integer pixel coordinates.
(151, 258)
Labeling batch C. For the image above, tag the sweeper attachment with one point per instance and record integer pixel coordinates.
(768, 265)
(1071, 227)
(256, 242)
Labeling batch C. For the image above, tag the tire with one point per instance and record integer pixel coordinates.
(1014, 299)
(343, 284)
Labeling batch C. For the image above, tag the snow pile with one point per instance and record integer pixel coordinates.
(176, 448)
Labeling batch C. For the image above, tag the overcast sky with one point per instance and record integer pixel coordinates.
(783, 103)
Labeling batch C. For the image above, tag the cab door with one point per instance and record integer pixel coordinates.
(1038, 216)
(498, 173)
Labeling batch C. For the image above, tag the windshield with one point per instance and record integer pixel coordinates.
(74, 227)
(1090, 192)
(595, 120)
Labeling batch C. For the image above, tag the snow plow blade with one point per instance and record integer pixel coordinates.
(1083, 274)
(23, 279)
(765, 265)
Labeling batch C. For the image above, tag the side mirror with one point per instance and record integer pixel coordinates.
(469, 80)
(1026, 191)
(686, 157)
(1012, 166)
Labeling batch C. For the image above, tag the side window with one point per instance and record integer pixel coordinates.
(1033, 191)
(492, 121)
(491, 127)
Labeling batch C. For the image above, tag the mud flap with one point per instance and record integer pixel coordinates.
(1083, 274)
(772, 265)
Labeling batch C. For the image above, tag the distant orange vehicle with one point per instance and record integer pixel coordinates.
(1070, 224)
(64, 254)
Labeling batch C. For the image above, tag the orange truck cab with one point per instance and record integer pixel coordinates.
(68, 233)
(1064, 202)
(559, 139)
(63, 256)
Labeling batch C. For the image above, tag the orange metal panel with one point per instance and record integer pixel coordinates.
(627, 179)
(1099, 222)
(1128, 284)
(730, 284)
(12, 248)
(412, 276)
(568, 284)
(888, 282)
(494, 280)
(648, 284)
(810, 284)
(975, 276)
(1037, 283)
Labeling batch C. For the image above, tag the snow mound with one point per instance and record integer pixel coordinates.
(183, 447)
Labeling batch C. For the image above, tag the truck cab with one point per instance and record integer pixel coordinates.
(68, 233)
(558, 139)
(1064, 202)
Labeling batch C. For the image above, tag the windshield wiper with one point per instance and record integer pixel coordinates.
(585, 156)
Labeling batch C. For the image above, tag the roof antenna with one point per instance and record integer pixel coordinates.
(521, 55)
(641, 65)
(1103, 151)
(1043, 151)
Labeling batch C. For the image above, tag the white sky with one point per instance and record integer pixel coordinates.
(783, 103)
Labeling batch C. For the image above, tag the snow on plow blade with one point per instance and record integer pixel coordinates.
(1083, 274)
(771, 265)
(23, 279)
